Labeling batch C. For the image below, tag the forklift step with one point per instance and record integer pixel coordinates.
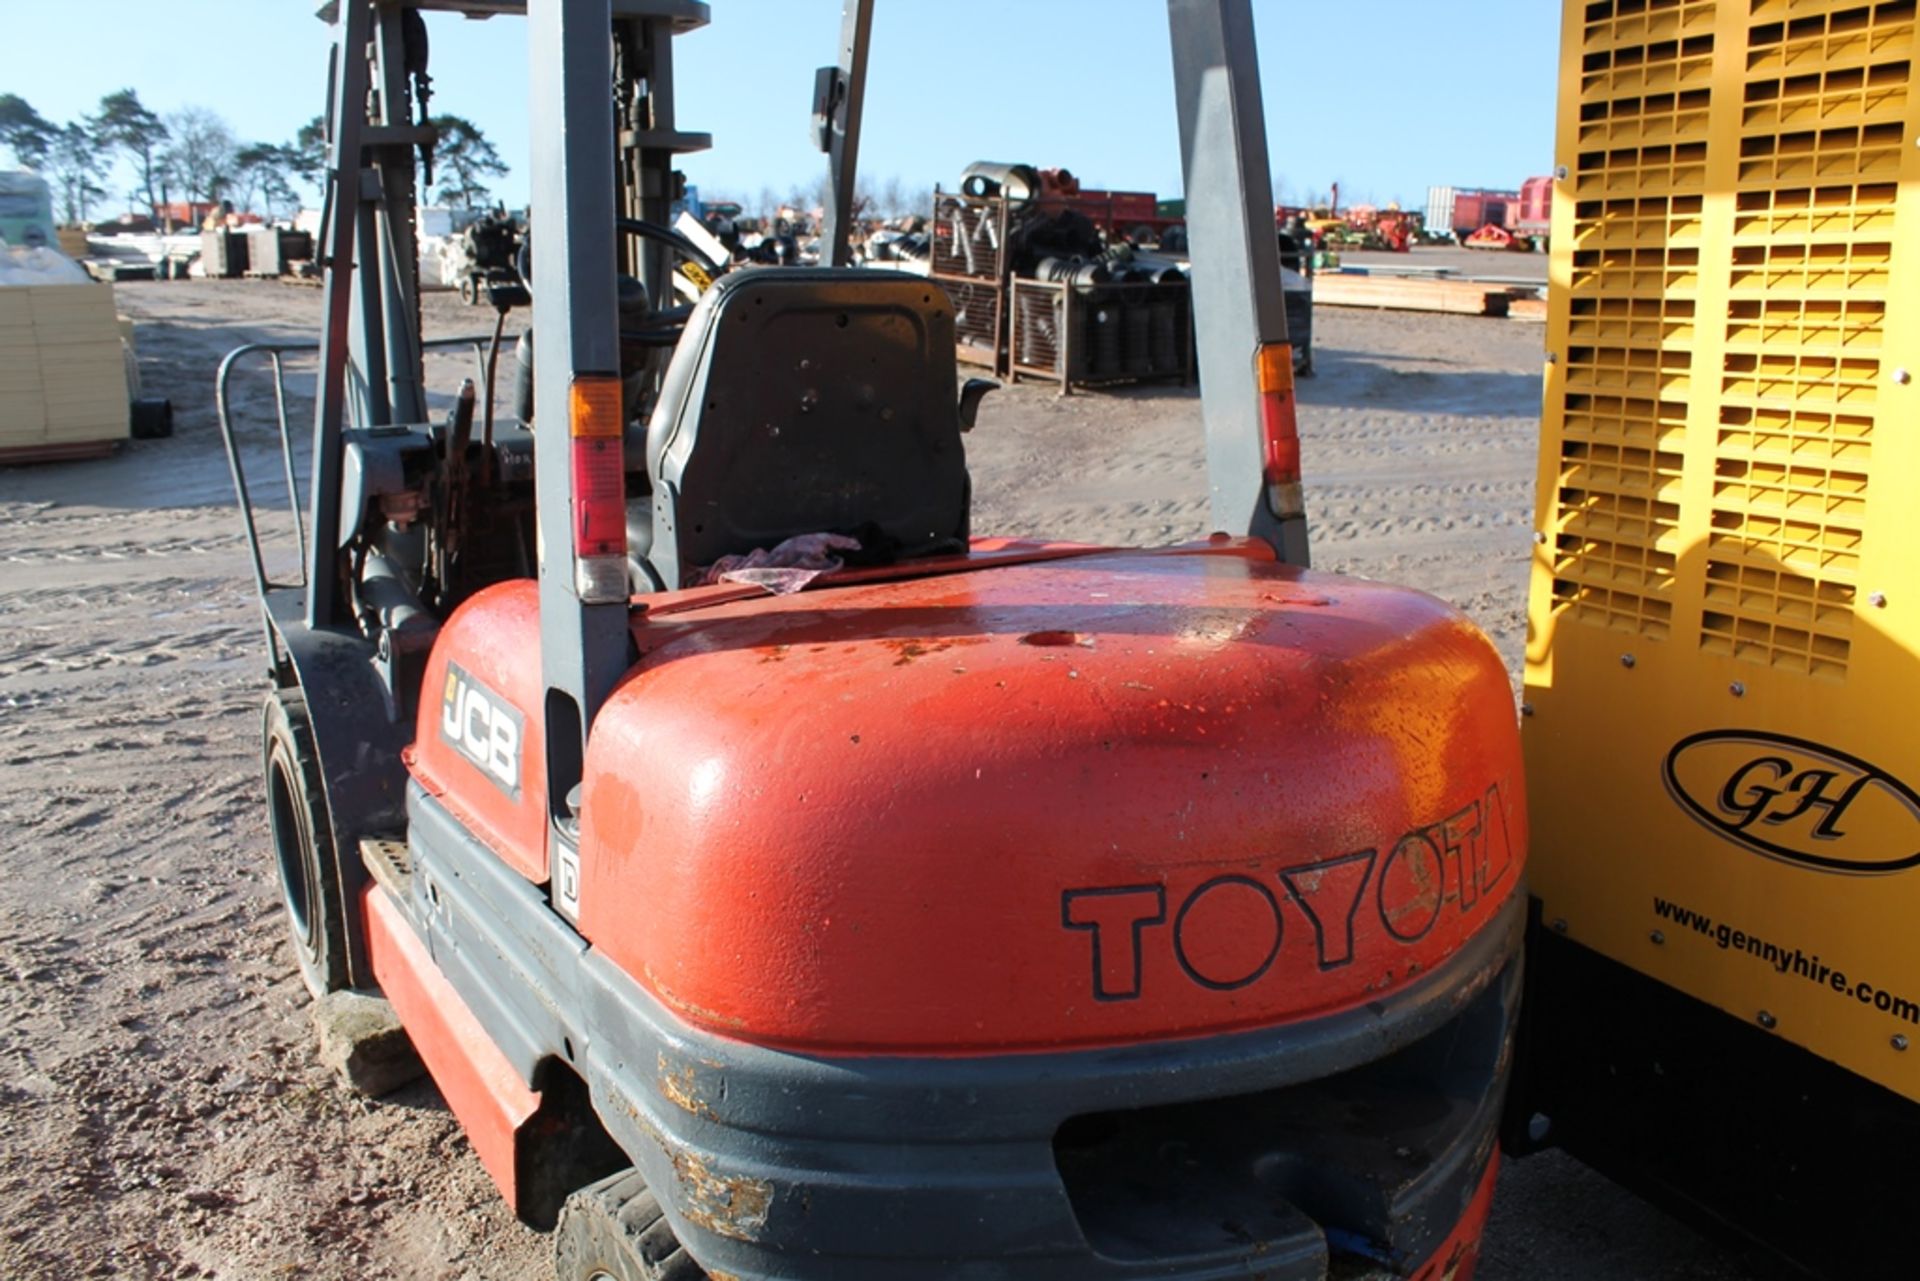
(391, 865)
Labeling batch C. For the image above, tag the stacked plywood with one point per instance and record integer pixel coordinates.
(63, 375)
(1398, 293)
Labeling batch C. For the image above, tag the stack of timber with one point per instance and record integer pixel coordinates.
(63, 373)
(1459, 297)
(1527, 304)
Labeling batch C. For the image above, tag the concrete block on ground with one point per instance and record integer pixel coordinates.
(361, 1040)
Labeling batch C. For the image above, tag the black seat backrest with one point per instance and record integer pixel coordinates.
(801, 401)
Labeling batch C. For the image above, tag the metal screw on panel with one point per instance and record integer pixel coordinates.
(1738, 689)
(1900, 1041)
(1553, 358)
(1627, 660)
(1657, 937)
(1526, 709)
(1539, 537)
(1768, 1021)
(1559, 925)
(1560, 172)
(1877, 599)
(1902, 377)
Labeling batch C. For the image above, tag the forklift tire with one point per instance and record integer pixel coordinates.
(613, 1231)
(469, 291)
(303, 842)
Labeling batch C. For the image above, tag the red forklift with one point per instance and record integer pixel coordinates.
(983, 908)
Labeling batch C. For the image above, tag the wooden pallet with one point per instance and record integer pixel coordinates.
(83, 451)
(1457, 297)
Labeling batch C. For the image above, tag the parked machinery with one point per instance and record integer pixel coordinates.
(488, 254)
(1723, 985)
(986, 908)
(1082, 319)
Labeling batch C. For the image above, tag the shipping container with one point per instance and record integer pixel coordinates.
(1533, 214)
(1464, 210)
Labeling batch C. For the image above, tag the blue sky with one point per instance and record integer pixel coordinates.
(1386, 97)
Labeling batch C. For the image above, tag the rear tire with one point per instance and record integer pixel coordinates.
(613, 1230)
(469, 291)
(303, 842)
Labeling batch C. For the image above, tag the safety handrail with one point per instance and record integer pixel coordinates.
(275, 351)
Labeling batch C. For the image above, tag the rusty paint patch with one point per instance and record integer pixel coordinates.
(681, 1087)
(668, 995)
(730, 1207)
(908, 650)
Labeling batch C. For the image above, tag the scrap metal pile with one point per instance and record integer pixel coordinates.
(1081, 287)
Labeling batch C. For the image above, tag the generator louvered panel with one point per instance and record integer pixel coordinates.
(1806, 161)
(1618, 503)
(1817, 36)
(1779, 214)
(1639, 189)
(1724, 584)
(1848, 96)
(1634, 70)
(1649, 23)
(1822, 129)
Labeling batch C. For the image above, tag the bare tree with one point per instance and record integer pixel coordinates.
(263, 170)
(201, 157)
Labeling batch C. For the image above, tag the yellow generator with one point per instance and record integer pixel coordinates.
(1722, 669)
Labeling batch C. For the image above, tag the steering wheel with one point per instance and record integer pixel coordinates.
(670, 322)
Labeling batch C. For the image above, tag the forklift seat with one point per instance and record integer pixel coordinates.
(808, 400)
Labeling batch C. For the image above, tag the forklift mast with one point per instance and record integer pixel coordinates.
(371, 367)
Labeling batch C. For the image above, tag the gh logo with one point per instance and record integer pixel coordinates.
(1770, 789)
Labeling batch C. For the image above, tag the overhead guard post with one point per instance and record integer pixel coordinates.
(1239, 309)
(843, 129)
(583, 642)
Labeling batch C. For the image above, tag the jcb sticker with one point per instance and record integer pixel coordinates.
(483, 727)
(1796, 801)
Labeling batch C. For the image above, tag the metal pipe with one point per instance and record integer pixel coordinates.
(238, 471)
(286, 459)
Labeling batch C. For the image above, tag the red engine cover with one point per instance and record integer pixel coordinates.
(1098, 800)
(479, 740)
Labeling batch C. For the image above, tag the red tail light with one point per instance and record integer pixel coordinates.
(597, 423)
(1279, 429)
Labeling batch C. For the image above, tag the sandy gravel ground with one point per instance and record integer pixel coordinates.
(160, 1115)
